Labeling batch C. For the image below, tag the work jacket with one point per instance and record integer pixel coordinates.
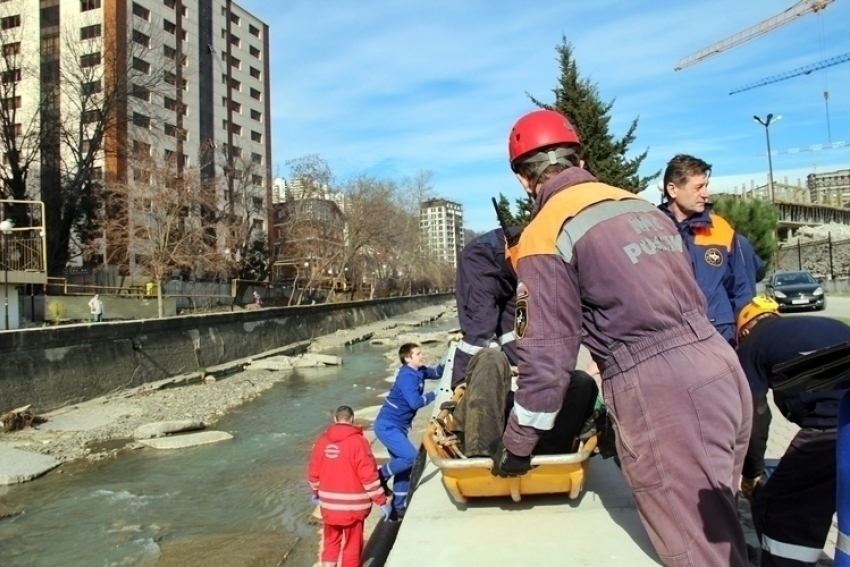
(596, 265)
(721, 272)
(775, 341)
(407, 395)
(485, 290)
(344, 474)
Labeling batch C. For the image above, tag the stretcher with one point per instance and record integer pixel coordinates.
(466, 478)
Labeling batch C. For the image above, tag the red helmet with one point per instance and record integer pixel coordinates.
(540, 129)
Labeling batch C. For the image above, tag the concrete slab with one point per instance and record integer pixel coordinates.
(188, 440)
(18, 466)
(80, 421)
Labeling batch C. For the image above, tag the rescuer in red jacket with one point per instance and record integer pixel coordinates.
(343, 476)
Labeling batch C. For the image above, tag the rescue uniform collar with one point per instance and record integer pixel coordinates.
(567, 178)
(696, 220)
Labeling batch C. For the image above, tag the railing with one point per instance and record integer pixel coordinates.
(823, 257)
(22, 254)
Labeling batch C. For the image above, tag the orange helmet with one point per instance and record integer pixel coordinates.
(758, 306)
(538, 130)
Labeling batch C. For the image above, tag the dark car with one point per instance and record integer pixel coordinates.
(796, 290)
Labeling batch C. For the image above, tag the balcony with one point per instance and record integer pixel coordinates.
(22, 259)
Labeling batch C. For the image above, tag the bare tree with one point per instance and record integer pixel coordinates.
(159, 220)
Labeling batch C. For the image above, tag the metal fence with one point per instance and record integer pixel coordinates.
(822, 257)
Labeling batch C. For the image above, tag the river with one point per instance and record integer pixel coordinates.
(237, 503)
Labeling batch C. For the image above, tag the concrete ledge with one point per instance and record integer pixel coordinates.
(188, 440)
(21, 466)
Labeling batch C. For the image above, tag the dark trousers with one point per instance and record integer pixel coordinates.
(483, 410)
(793, 511)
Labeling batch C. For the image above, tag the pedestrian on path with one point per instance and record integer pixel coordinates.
(792, 510)
(600, 266)
(96, 309)
(343, 477)
(396, 417)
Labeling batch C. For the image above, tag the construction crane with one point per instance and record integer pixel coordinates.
(796, 11)
(805, 70)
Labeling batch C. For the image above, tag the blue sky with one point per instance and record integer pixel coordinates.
(392, 87)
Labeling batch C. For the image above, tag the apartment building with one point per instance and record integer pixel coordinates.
(196, 78)
(441, 227)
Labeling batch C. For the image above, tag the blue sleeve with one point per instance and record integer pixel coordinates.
(739, 283)
(434, 372)
(408, 384)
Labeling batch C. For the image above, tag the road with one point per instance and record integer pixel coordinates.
(836, 306)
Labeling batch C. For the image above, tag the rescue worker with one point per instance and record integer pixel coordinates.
(793, 510)
(485, 291)
(601, 266)
(395, 417)
(719, 269)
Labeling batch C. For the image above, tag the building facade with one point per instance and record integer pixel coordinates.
(182, 82)
(441, 227)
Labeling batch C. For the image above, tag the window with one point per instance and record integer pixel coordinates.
(253, 30)
(91, 88)
(223, 11)
(236, 152)
(257, 180)
(90, 116)
(255, 73)
(257, 224)
(141, 175)
(11, 76)
(175, 106)
(235, 85)
(170, 3)
(140, 93)
(90, 59)
(96, 173)
(235, 40)
(49, 45)
(169, 51)
(12, 102)
(88, 146)
(10, 49)
(86, 5)
(255, 94)
(141, 148)
(234, 62)
(14, 130)
(234, 18)
(256, 115)
(141, 12)
(223, 32)
(175, 132)
(10, 22)
(170, 27)
(257, 159)
(235, 129)
(50, 16)
(141, 39)
(141, 121)
(254, 52)
(90, 32)
(235, 106)
(141, 66)
(256, 137)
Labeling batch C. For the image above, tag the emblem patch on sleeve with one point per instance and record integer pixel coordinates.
(521, 291)
(521, 317)
(713, 257)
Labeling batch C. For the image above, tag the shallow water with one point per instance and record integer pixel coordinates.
(237, 503)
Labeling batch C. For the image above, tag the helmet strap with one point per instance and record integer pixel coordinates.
(542, 160)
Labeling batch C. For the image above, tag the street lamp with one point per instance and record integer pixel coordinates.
(770, 119)
(6, 228)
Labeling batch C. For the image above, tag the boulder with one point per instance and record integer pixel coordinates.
(163, 428)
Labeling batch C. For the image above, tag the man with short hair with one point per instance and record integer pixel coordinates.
(793, 510)
(720, 270)
(96, 309)
(343, 477)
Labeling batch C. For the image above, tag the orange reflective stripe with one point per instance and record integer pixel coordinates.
(542, 233)
(721, 233)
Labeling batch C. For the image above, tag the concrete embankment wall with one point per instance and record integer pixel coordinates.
(50, 367)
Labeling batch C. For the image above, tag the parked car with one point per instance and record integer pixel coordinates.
(796, 290)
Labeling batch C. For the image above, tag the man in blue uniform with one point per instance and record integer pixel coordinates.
(793, 510)
(396, 416)
(720, 270)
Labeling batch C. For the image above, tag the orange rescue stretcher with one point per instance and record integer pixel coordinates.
(467, 478)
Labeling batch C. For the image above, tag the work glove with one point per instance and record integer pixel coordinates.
(314, 499)
(505, 463)
(748, 486)
(449, 405)
(430, 397)
(387, 511)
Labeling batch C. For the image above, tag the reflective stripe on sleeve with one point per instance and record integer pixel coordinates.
(536, 419)
(843, 543)
(468, 348)
(790, 550)
(507, 338)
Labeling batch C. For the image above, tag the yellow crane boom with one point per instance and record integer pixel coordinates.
(796, 11)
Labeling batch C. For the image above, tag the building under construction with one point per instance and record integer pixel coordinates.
(831, 188)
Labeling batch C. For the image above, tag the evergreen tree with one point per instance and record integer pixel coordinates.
(523, 215)
(754, 218)
(605, 156)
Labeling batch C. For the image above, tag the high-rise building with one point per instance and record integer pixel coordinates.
(441, 227)
(185, 81)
